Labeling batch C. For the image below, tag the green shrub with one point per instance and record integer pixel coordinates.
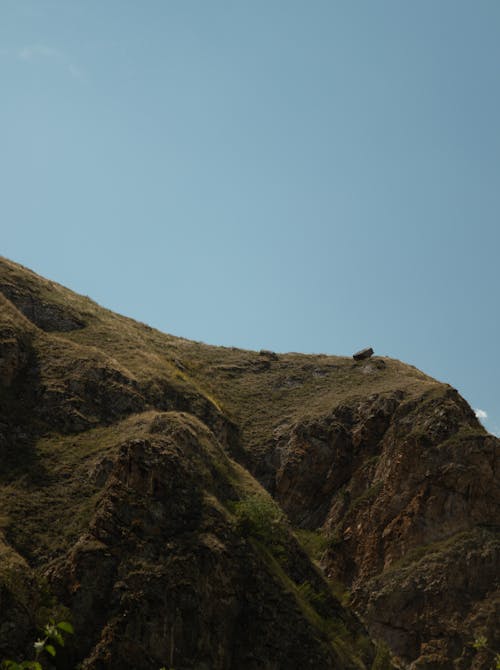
(259, 517)
(54, 634)
(314, 542)
(482, 643)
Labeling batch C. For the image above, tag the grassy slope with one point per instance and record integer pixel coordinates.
(51, 486)
(258, 399)
(46, 507)
(259, 392)
(50, 497)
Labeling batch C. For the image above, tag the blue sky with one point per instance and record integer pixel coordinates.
(299, 176)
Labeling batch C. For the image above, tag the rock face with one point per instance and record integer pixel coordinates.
(169, 575)
(408, 498)
(133, 467)
(17, 599)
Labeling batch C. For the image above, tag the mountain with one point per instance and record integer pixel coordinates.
(203, 507)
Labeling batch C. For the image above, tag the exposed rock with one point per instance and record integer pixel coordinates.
(18, 600)
(408, 495)
(117, 485)
(15, 343)
(14, 352)
(364, 353)
(46, 315)
(443, 597)
(162, 576)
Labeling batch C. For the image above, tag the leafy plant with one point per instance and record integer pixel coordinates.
(481, 642)
(260, 517)
(53, 636)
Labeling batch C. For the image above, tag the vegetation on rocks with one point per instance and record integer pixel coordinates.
(53, 636)
(153, 484)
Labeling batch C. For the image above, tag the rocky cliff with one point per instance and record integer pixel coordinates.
(204, 507)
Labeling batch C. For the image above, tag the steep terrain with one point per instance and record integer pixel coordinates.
(134, 469)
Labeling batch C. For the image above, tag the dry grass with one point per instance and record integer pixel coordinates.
(257, 391)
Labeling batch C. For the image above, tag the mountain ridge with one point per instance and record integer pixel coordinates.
(383, 471)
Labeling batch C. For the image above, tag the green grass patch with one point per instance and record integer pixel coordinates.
(314, 542)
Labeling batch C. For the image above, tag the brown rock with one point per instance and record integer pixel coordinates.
(407, 492)
(364, 353)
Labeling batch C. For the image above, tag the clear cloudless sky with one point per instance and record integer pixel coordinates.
(313, 175)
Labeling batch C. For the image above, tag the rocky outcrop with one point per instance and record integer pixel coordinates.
(128, 460)
(19, 598)
(431, 604)
(406, 494)
(46, 315)
(314, 458)
(15, 344)
(43, 303)
(164, 577)
(363, 354)
(14, 351)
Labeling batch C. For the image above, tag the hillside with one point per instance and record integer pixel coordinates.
(137, 484)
